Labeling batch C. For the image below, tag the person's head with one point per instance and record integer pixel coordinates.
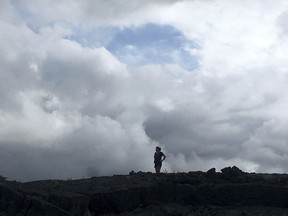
(158, 149)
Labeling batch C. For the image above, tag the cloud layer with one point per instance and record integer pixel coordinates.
(87, 88)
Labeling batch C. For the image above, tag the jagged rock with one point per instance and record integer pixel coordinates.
(211, 171)
(193, 193)
(2, 178)
(132, 172)
(232, 172)
(14, 203)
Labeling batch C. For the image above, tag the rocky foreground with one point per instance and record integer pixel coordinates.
(229, 192)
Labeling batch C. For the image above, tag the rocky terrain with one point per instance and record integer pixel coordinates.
(229, 192)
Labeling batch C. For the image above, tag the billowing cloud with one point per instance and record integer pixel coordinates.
(90, 88)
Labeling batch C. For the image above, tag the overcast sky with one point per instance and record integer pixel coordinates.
(90, 88)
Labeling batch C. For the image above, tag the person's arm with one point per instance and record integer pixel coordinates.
(164, 157)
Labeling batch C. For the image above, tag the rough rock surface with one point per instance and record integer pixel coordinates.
(229, 192)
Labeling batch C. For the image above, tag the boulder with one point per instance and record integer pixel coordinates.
(211, 171)
(232, 171)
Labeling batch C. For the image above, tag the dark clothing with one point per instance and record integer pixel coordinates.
(158, 158)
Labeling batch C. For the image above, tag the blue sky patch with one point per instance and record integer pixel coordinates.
(147, 44)
(153, 44)
(95, 37)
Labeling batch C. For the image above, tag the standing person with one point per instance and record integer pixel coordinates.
(159, 157)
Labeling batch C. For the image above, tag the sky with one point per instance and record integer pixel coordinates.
(90, 88)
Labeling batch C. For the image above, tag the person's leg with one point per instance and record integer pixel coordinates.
(157, 169)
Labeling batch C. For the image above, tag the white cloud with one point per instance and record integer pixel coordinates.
(73, 111)
(7, 11)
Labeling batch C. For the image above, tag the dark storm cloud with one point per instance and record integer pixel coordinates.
(187, 131)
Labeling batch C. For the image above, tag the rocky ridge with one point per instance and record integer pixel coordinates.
(229, 192)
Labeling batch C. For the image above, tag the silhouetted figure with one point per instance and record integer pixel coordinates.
(159, 157)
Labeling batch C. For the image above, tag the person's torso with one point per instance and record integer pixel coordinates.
(158, 157)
